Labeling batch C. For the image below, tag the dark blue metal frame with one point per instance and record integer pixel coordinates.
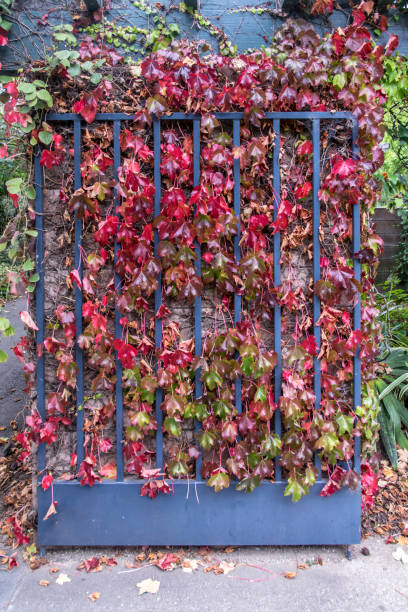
(114, 513)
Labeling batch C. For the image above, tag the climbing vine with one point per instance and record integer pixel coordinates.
(299, 71)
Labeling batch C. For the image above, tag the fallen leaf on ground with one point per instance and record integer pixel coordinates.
(290, 574)
(189, 565)
(403, 540)
(227, 567)
(168, 561)
(400, 555)
(94, 596)
(229, 550)
(54, 570)
(148, 586)
(302, 566)
(12, 562)
(62, 578)
(140, 557)
(44, 582)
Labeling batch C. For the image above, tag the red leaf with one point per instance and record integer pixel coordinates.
(46, 481)
(306, 148)
(344, 167)
(310, 345)
(392, 44)
(303, 191)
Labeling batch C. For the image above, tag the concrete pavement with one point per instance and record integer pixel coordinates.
(365, 584)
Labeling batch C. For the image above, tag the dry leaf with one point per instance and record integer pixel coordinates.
(94, 596)
(148, 586)
(403, 540)
(229, 550)
(51, 510)
(44, 582)
(290, 574)
(62, 578)
(141, 556)
(54, 570)
(227, 567)
(400, 555)
(302, 566)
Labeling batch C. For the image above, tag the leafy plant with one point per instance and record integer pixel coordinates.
(392, 388)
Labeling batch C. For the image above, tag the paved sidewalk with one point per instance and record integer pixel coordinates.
(364, 584)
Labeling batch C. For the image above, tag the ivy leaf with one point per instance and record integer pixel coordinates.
(218, 480)
(296, 489)
(248, 484)
(344, 167)
(3, 356)
(156, 105)
(27, 320)
(345, 423)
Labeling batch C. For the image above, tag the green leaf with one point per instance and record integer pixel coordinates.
(74, 70)
(32, 233)
(3, 356)
(219, 481)
(172, 427)
(345, 423)
(260, 395)
(340, 80)
(44, 95)
(247, 365)
(248, 484)
(30, 192)
(34, 278)
(96, 78)
(45, 137)
(212, 379)
(296, 489)
(4, 324)
(14, 185)
(27, 88)
(28, 265)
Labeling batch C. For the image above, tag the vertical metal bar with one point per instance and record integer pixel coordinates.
(78, 297)
(39, 297)
(157, 294)
(118, 327)
(237, 248)
(197, 301)
(357, 308)
(316, 268)
(276, 281)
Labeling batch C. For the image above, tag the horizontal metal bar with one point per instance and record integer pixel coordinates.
(191, 116)
(114, 514)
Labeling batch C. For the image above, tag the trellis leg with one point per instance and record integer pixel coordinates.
(237, 248)
(316, 270)
(357, 308)
(39, 298)
(197, 301)
(276, 282)
(118, 326)
(78, 297)
(157, 293)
